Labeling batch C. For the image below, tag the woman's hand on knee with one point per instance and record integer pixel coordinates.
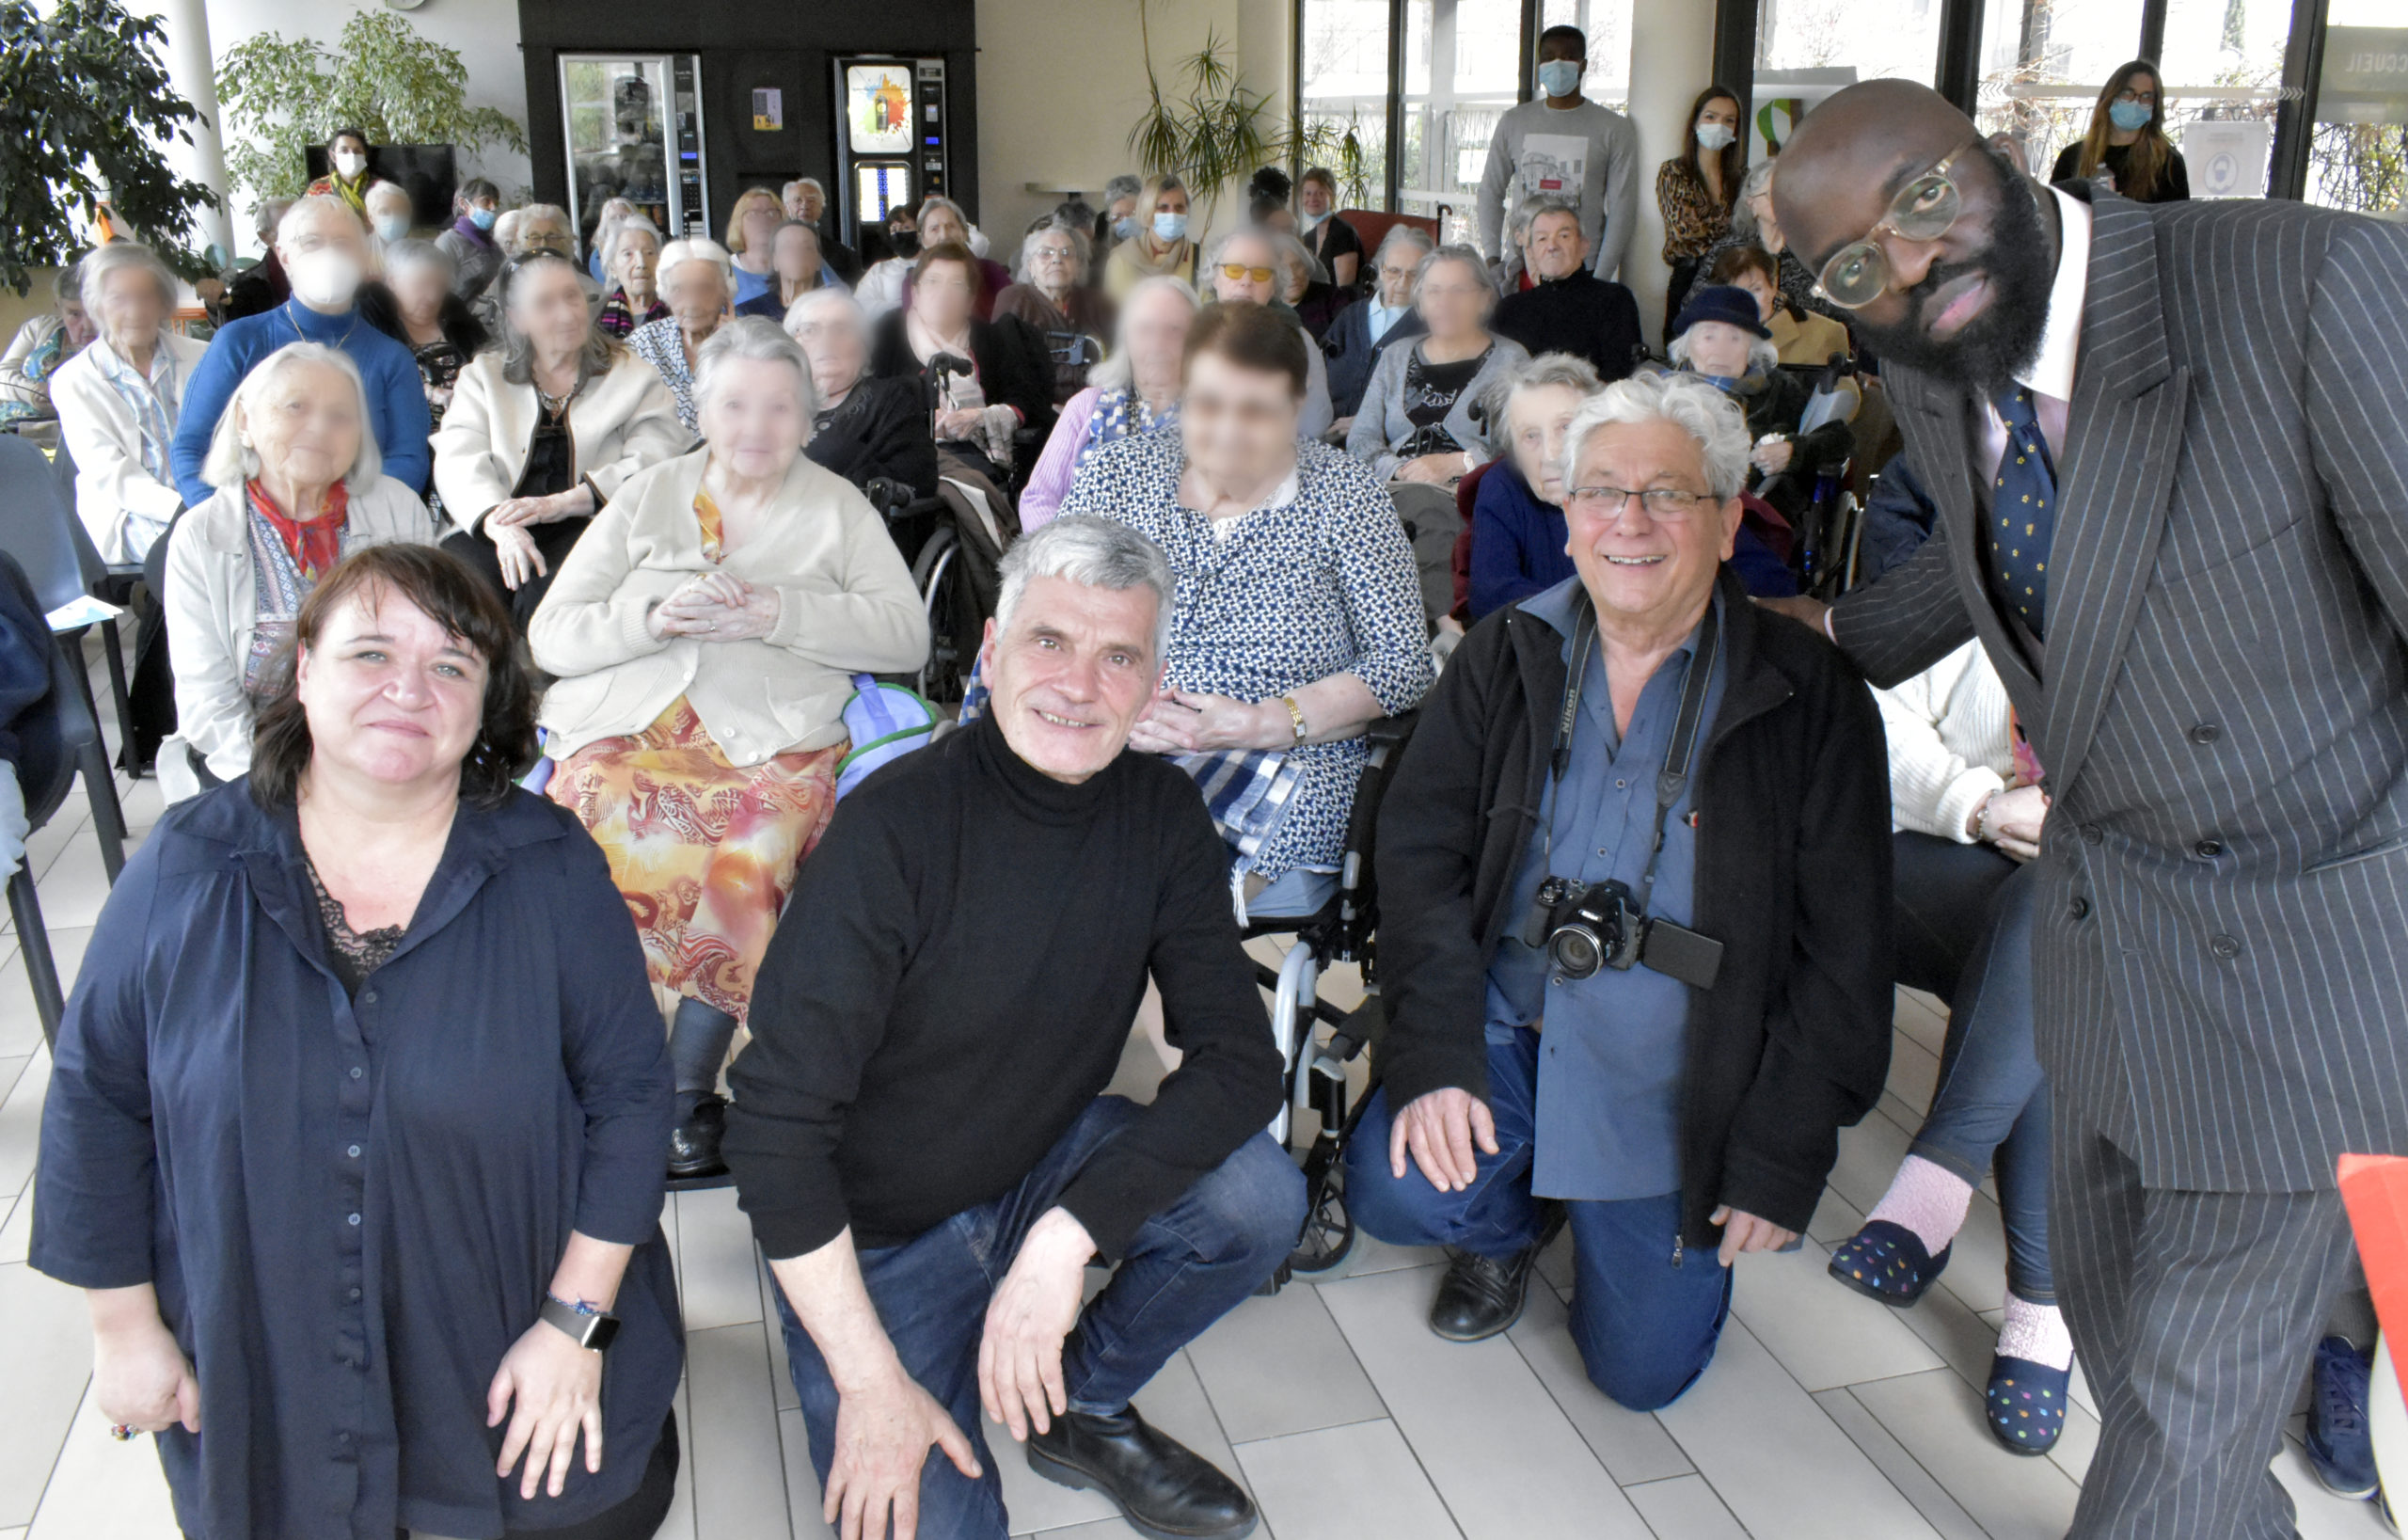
(1439, 1129)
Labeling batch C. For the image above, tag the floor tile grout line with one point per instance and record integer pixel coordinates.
(1576, 1426)
(59, 1454)
(1913, 1459)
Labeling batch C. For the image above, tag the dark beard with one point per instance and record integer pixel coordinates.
(2003, 340)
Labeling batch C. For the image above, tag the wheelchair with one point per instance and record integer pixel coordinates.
(1316, 1065)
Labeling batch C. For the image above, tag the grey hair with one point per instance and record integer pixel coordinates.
(412, 252)
(1220, 247)
(1517, 222)
(231, 462)
(822, 298)
(1403, 236)
(115, 257)
(1697, 408)
(1123, 186)
(761, 340)
(1295, 250)
(1763, 356)
(388, 190)
(268, 214)
(1116, 370)
(1757, 183)
(938, 200)
(303, 210)
(696, 249)
(1093, 551)
(634, 224)
(595, 356)
(1568, 370)
(1546, 203)
(1469, 256)
(812, 182)
(1050, 226)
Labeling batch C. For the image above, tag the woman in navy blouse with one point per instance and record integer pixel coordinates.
(354, 1138)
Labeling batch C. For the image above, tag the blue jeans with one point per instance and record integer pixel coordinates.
(1964, 923)
(1185, 1268)
(1646, 1313)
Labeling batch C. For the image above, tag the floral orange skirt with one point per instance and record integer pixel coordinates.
(704, 852)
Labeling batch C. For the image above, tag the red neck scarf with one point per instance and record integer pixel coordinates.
(315, 545)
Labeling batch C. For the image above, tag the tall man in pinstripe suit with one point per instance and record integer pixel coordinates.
(2169, 450)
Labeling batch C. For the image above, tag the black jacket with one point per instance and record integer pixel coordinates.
(1582, 314)
(1793, 877)
(881, 430)
(1014, 369)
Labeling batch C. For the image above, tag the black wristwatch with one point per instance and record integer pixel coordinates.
(586, 1325)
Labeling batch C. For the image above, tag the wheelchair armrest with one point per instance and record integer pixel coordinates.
(1392, 732)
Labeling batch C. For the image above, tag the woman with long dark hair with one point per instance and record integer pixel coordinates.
(2127, 141)
(1697, 188)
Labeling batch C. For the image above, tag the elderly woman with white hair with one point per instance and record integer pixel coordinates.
(1417, 422)
(297, 488)
(543, 431)
(867, 429)
(1694, 1090)
(702, 637)
(631, 274)
(1721, 336)
(1052, 293)
(119, 399)
(1134, 391)
(696, 283)
(606, 223)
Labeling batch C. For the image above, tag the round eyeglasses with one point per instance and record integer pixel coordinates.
(1926, 209)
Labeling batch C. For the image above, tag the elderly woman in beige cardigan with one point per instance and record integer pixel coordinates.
(703, 634)
(542, 431)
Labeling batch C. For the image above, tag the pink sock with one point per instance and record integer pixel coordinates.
(2036, 1333)
(1927, 1198)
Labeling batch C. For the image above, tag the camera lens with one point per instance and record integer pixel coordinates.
(1575, 951)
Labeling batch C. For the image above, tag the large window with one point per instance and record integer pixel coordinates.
(2043, 62)
(1896, 38)
(2358, 154)
(1463, 68)
(1342, 90)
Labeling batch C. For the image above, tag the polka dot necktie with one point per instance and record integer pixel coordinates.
(2023, 511)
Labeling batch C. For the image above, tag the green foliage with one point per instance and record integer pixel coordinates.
(283, 94)
(1218, 130)
(85, 105)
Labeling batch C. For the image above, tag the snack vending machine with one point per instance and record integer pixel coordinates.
(633, 125)
(891, 137)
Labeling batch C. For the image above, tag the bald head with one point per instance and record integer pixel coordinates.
(1839, 170)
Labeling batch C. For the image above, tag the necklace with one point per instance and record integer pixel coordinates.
(342, 346)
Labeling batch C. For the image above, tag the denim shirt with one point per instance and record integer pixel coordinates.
(1612, 1047)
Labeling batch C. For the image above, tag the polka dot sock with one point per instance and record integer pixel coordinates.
(2036, 1333)
(1927, 1198)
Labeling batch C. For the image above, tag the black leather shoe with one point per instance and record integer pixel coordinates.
(693, 1149)
(1166, 1490)
(1481, 1297)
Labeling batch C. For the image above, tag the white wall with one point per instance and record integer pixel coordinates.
(1676, 45)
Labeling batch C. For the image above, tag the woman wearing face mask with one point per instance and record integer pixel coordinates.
(1721, 335)
(469, 243)
(347, 152)
(1331, 240)
(543, 430)
(1117, 219)
(1160, 243)
(388, 213)
(1697, 188)
(2127, 147)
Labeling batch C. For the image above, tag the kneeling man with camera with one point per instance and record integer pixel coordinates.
(919, 1132)
(1635, 904)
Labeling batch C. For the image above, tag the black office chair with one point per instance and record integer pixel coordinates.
(57, 737)
(38, 527)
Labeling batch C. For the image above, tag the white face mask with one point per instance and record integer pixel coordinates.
(1714, 136)
(324, 279)
(349, 164)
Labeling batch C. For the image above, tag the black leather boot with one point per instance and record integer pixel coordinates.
(1166, 1490)
(693, 1149)
(1481, 1297)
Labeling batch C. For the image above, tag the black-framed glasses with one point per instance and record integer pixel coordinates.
(1926, 209)
(1663, 504)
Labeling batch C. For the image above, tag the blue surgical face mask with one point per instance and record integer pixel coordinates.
(1714, 136)
(392, 227)
(1124, 227)
(1560, 77)
(1307, 223)
(1170, 227)
(483, 218)
(2129, 116)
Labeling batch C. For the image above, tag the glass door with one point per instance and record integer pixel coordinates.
(2358, 156)
(1461, 71)
(615, 112)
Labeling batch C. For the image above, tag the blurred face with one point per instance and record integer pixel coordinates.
(1247, 270)
(305, 427)
(1717, 347)
(1293, 278)
(1172, 201)
(760, 227)
(1155, 329)
(806, 204)
(390, 696)
(546, 230)
(132, 309)
(833, 341)
(1760, 285)
(1555, 245)
(1396, 274)
(1071, 672)
(325, 230)
(547, 308)
(1767, 228)
(940, 297)
(386, 202)
(418, 289)
(1239, 425)
(941, 225)
(1281, 219)
(753, 417)
(695, 291)
(637, 262)
(1120, 209)
(1053, 262)
(76, 322)
(1313, 197)
(1643, 566)
(795, 255)
(1454, 300)
(1537, 420)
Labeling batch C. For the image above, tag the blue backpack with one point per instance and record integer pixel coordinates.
(887, 721)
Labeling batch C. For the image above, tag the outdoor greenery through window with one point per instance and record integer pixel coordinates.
(2358, 158)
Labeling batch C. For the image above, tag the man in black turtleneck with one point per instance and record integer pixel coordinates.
(919, 1131)
(1571, 309)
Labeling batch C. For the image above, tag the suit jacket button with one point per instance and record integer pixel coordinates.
(2092, 833)
(2227, 948)
(2080, 909)
(2205, 732)
(2207, 850)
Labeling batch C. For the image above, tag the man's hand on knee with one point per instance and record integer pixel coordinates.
(883, 1429)
(1440, 1129)
(1020, 1357)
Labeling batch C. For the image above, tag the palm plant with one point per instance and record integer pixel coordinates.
(1219, 130)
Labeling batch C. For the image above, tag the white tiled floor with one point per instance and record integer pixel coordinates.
(1824, 1415)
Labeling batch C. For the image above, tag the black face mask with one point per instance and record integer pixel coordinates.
(905, 242)
(2002, 339)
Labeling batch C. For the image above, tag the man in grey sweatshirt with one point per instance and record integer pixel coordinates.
(1568, 146)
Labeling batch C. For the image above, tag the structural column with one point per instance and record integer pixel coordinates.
(1672, 50)
(192, 70)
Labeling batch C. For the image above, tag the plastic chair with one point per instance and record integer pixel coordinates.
(57, 737)
(38, 527)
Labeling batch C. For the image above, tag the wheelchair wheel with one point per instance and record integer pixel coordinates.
(1329, 1233)
(953, 642)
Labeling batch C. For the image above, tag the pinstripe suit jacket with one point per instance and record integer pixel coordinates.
(2221, 959)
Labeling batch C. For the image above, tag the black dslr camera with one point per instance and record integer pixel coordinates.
(1586, 928)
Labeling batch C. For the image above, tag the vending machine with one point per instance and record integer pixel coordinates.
(892, 147)
(633, 125)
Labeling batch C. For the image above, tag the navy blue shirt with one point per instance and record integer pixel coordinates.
(1517, 548)
(352, 1209)
(1613, 1044)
